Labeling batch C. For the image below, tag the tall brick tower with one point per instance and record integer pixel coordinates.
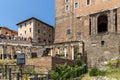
(95, 22)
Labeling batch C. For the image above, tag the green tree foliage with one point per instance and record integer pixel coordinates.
(65, 72)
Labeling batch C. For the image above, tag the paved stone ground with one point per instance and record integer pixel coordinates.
(102, 78)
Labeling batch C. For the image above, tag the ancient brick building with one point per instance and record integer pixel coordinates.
(95, 22)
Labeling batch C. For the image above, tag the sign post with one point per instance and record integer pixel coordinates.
(21, 59)
(20, 62)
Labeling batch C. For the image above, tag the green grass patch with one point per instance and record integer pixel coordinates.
(110, 73)
(113, 73)
(97, 72)
(113, 63)
(6, 62)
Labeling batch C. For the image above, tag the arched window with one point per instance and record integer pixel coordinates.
(102, 24)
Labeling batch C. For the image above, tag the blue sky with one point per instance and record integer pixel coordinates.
(15, 11)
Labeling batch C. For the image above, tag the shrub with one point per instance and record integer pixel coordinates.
(102, 73)
(93, 72)
(79, 62)
(66, 72)
(96, 72)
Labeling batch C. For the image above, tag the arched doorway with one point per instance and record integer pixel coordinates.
(102, 24)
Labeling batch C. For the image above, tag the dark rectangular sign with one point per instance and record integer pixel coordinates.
(21, 59)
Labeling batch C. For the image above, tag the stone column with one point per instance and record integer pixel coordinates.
(3, 51)
(118, 20)
(91, 17)
(29, 52)
(22, 49)
(80, 48)
(51, 51)
(72, 50)
(111, 21)
(65, 51)
(12, 52)
(58, 51)
(26, 50)
(93, 25)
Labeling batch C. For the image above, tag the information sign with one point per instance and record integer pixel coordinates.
(21, 59)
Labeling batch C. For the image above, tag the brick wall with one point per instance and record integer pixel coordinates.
(48, 63)
(56, 61)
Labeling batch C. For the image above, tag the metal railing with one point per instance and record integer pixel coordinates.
(13, 72)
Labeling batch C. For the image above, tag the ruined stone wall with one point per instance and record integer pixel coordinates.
(56, 61)
(102, 48)
(118, 19)
(48, 63)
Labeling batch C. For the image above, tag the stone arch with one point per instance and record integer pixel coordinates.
(102, 23)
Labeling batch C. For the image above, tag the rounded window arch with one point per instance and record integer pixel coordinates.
(102, 24)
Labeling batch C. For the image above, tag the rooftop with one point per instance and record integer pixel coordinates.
(34, 19)
(3, 27)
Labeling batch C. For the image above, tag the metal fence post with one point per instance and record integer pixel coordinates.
(18, 76)
(5, 71)
(47, 76)
(9, 70)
